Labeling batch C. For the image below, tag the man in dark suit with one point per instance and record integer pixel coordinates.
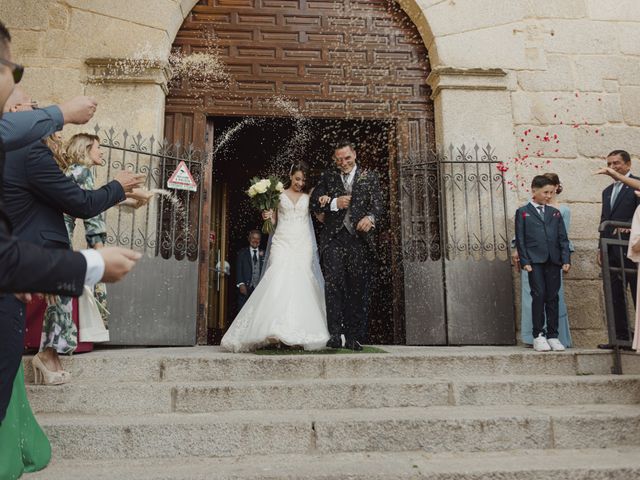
(619, 204)
(37, 193)
(25, 267)
(543, 247)
(351, 201)
(249, 267)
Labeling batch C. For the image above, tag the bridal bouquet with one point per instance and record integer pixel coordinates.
(265, 195)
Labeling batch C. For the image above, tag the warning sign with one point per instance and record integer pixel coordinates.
(182, 179)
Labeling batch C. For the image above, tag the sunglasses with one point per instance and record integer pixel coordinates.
(16, 69)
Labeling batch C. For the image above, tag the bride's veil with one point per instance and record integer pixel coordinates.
(315, 261)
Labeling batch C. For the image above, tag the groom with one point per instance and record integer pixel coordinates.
(346, 243)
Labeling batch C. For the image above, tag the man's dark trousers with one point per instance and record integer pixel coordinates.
(346, 266)
(618, 290)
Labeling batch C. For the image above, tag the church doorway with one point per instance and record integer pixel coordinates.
(264, 146)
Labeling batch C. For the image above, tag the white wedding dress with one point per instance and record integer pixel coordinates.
(288, 304)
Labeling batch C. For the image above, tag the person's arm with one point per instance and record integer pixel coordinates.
(520, 237)
(57, 271)
(54, 187)
(565, 250)
(630, 181)
(320, 190)
(566, 216)
(377, 207)
(19, 129)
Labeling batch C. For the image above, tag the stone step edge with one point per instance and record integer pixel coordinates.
(427, 379)
(378, 465)
(312, 416)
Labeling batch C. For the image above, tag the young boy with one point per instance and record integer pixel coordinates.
(543, 247)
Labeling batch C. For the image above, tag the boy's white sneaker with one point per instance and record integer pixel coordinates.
(555, 345)
(540, 344)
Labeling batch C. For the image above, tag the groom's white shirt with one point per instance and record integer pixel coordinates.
(352, 173)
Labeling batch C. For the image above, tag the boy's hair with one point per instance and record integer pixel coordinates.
(540, 181)
(626, 158)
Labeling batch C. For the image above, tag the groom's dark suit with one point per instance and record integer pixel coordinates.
(347, 257)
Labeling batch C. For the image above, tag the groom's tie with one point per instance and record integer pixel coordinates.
(347, 218)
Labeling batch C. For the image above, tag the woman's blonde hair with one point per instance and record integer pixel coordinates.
(56, 146)
(79, 147)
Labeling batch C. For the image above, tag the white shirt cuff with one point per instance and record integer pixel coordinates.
(95, 267)
(334, 205)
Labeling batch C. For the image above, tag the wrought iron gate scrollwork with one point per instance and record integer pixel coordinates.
(474, 217)
(455, 238)
(169, 226)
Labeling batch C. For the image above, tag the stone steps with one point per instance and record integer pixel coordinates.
(203, 397)
(210, 364)
(432, 430)
(587, 464)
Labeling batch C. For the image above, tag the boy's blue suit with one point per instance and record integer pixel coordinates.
(543, 244)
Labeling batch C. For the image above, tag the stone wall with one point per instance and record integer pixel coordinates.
(501, 67)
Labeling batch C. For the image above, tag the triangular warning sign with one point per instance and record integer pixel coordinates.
(182, 179)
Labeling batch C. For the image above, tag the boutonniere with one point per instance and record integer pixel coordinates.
(364, 174)
(525, 214)
(261, 253)
(556, 214)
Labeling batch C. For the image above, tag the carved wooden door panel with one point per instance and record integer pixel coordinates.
(347, 59)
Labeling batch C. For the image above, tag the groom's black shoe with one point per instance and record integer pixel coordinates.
(335, 341)
(353, 345)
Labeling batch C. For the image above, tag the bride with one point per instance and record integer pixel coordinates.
(288, 305)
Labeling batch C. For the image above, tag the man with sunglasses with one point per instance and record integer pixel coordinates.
(25, 267)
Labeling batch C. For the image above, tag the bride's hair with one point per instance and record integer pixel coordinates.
(299, 167)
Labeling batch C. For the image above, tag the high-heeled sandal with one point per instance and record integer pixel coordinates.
(44, 376)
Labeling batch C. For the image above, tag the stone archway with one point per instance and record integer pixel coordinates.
(361, 60)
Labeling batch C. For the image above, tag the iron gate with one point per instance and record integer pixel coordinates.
(457, 273)
(156, 304)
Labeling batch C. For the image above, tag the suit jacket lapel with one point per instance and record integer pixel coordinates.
(607, 200)
(621, 193)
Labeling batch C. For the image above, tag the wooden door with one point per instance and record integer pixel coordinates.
(340, 59)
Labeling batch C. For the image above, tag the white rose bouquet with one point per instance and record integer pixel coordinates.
(265, 195)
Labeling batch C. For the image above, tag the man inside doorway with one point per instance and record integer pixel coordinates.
(249, 267)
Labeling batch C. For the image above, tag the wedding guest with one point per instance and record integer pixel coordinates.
(543, 247)
(83, 153)
(618, 204)
(36, 194)
(526, 322)
(633, 254)
(26, 267)
(249, 264)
